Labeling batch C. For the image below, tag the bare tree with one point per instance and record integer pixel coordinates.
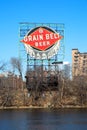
(16, 65)
(2, 66)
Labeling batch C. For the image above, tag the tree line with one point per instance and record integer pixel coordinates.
(69, 91)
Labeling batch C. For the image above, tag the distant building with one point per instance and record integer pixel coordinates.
(66, 69)
(79, 63)
(8, 79)
(1, 75)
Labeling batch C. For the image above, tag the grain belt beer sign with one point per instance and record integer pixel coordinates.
(42, 42)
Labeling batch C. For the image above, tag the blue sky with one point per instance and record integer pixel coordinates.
(73, 13)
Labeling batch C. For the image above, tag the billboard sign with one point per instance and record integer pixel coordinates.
(42, 42)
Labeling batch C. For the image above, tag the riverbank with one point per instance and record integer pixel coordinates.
(23, 99)
(37, 107)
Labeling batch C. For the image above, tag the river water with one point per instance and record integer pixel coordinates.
(43, 119)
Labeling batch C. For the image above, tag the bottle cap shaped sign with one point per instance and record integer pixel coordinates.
(42, 42)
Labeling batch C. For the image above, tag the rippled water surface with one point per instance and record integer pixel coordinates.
(43, 119)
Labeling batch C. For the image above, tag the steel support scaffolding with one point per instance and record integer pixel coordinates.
(41, 74)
